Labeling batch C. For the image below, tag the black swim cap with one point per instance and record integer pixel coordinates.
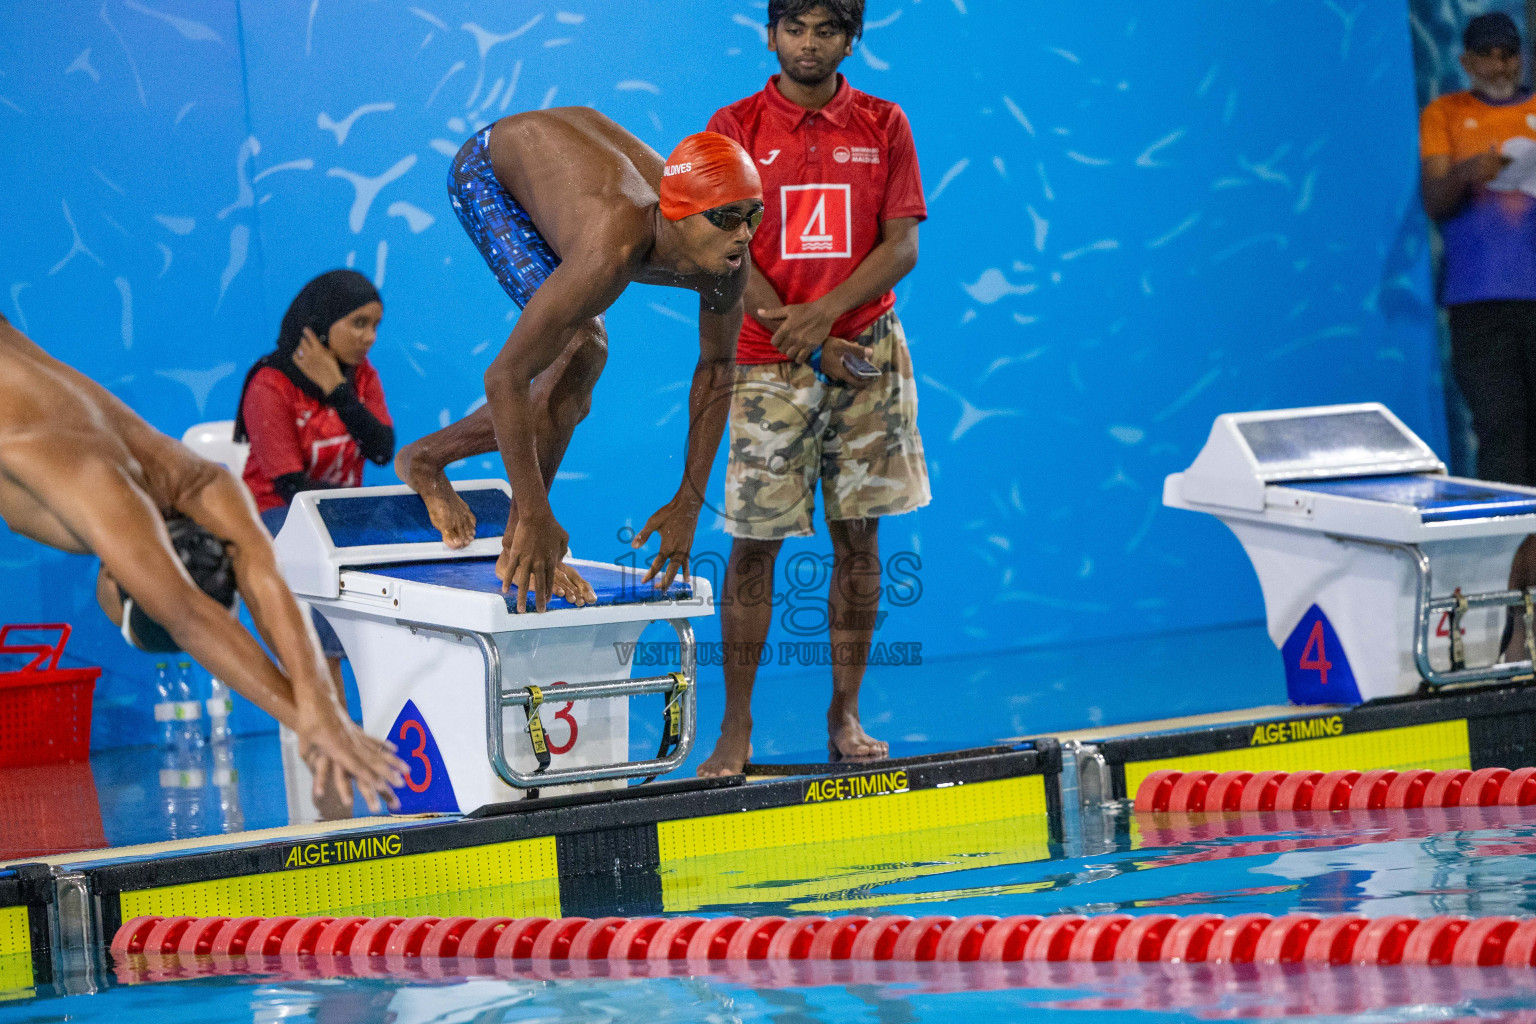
(1487, 32)
(206, 560)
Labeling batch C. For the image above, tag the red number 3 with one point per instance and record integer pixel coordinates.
(564, 714)
(420, 754)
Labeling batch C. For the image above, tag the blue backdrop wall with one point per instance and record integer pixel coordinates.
(1140, 216)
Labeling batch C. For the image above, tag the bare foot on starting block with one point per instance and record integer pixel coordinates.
(447, 510)
(569, 584)
(847, 741)
(731, 754)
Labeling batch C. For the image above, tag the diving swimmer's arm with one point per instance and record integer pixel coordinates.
(224, 508)
(709, 403)
(580, 288)
(110, 515)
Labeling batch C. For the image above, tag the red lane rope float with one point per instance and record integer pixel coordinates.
(197, 940)
(1234, 940)
(444, 937)
(794, 940)
(232, 936)
(368, 945)
(1173, 792)
(962, 940)
(834, 941)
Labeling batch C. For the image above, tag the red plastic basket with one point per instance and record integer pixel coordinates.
(45, 711)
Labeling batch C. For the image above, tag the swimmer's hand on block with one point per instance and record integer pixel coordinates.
(532, 559)
(674, 524)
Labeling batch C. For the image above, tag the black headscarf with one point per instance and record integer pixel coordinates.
(319, 304)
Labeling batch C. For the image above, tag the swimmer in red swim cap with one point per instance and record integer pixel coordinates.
(568, 210)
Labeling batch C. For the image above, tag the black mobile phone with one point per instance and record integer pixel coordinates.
(859, 367)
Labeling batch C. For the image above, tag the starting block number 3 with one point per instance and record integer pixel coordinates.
(407, 727)
(564, 715)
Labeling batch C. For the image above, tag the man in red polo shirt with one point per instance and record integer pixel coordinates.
(843, 197)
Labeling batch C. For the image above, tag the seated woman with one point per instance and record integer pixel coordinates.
(313, 409)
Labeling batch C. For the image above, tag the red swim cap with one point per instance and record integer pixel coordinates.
(706, 170)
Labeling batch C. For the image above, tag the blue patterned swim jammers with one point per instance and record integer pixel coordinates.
(501, 229)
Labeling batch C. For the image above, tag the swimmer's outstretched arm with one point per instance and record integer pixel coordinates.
(332, 741)
(709, 404)
(110, 515)
(580, 288)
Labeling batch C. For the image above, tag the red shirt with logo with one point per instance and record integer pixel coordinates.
(830, 178)
(291, 432)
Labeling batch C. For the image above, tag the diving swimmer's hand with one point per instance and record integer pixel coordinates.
(531, 552)
(675, 522)
(801, 328)
(332, 744)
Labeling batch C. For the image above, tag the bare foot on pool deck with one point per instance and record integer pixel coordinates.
(730, 756)
(446, 509)
(849, 742)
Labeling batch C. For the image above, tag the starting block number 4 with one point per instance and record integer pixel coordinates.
(1317, 670)
(1314, 656)
(1444, 628)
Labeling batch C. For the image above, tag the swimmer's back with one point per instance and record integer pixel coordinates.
(568, 165)
(48, 403)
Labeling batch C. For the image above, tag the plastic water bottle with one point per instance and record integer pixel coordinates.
(219, 707)
(165, 705)
(227, 779)
(177, 712)
(183, 778)
(191, 707)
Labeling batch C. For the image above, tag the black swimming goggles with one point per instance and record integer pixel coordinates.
(728, 218)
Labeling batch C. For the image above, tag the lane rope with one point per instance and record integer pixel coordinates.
(223, 945)
(1174, 792)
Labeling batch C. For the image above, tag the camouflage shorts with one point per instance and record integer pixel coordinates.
(789, 430)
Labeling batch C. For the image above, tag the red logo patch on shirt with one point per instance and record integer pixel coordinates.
(816, 222)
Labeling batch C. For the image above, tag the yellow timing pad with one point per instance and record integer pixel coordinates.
(15, 954)
(1435, 745)
(520, 880)
(831, 845)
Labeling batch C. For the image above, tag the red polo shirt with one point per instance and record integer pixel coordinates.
(291, 432)
(830, 177)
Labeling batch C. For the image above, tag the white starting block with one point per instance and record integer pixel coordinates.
(454, 678)
(1348, 518)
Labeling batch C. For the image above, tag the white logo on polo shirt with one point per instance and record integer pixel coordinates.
(773, 155)
(842, 154)
(816, 222)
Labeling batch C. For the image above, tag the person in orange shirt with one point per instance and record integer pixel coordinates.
(1478, 181)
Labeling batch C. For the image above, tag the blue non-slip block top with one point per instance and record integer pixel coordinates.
(402, 518)
(612, 585)
(1438, 499)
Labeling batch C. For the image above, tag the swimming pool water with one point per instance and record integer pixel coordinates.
(1474, 861)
